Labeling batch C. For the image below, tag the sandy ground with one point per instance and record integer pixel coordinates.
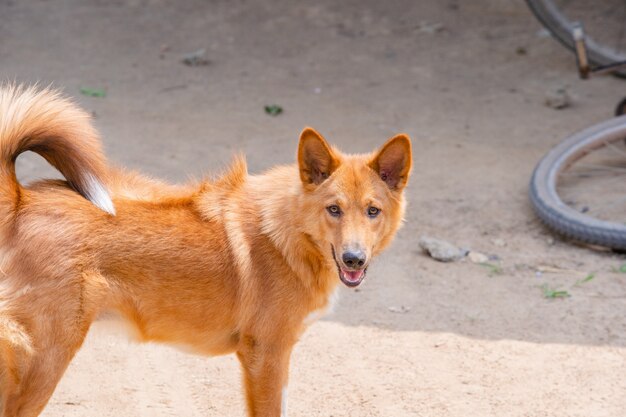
(474, 342)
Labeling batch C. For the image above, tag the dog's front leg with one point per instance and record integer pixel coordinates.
(265, 370)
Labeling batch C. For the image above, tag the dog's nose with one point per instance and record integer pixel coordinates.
(355, 259)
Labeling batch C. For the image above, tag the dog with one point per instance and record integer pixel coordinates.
(234, 264)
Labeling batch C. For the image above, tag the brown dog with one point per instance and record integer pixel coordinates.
(236, 264)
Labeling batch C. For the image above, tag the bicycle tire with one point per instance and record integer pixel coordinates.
(549, 206)
(561, 27)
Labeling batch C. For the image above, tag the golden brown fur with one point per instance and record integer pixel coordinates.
(234, 264)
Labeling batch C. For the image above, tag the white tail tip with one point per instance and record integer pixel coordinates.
(98, 195)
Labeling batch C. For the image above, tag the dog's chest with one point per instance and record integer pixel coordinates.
(315, 315)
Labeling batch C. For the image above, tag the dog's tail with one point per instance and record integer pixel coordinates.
(43, 122)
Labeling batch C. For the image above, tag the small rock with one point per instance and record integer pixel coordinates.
(196, 59)
(430, 28)
(477, 257)
(441, 250)
(401, 309)
(558, 98)
(499, 243)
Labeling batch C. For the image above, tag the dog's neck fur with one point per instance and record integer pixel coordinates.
(281, 213)
(273, 207)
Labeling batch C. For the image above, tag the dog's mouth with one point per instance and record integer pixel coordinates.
(350, 277)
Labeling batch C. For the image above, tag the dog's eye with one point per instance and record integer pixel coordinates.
(373, 211)
(334, 210)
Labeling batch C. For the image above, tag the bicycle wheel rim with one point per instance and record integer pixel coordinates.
(561, 27)
(549, 205)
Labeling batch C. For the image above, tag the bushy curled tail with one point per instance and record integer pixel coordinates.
(41, 121)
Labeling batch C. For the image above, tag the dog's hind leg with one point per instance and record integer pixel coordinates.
(15, 351)
(9, 372)
(49, 325)
(32, 377)
(37, 385)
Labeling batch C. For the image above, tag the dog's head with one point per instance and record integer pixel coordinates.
(354, 203)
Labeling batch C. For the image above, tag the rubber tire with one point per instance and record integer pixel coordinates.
(620, 109)
(549, 206)
(553, 20)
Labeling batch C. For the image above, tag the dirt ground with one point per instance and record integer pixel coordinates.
(467, 80)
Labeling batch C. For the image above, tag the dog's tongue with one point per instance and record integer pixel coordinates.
(353, 276)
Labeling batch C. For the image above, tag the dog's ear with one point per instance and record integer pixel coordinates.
(393, 161)
(316, 159)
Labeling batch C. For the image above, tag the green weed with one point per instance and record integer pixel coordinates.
(93, 92)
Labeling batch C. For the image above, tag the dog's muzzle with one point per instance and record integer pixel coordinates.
(353, 269)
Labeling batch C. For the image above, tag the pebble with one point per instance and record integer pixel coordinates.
(477, 257)
(196, 59)
(441, 250)
(401, 309)
(499, 243)
(430, 28)
(558, 98)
